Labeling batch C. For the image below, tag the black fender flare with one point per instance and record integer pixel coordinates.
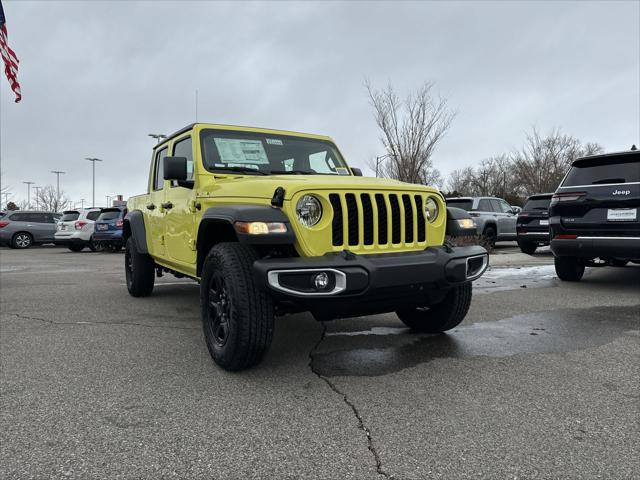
(249, 213)
(134, 226)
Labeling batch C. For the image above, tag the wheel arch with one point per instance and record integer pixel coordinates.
(217, 226)
(134, 227)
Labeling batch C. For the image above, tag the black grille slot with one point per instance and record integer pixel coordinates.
(408, 219)
(420, 216)
(367, 219)
(337, 236)
(396, 233)
(352, 217)
(382, 219)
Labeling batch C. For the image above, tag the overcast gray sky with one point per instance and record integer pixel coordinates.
(97, 77)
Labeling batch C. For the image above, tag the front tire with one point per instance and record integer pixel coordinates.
(442, 316)
(139, 271)
(237, 317)
(22, 240)
(490, 237)
(528, 247)
(569, 269)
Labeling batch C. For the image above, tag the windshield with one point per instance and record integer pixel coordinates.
(537, 204)
(463, 204)
(265, 154)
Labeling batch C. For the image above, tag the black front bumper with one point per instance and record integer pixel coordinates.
(366, 284)
(592, 247)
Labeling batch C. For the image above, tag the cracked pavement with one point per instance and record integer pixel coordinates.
(540, 381)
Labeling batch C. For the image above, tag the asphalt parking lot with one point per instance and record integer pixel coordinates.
(542, 380)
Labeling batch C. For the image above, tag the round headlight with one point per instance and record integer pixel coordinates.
(309, 210)
(431, 209)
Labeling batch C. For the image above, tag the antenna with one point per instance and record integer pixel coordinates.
(196, 105)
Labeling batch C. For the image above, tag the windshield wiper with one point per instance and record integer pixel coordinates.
(292, 172)
(242, 170)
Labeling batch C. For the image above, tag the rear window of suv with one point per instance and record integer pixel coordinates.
(109, 215)
(463, 204)
(603, 170)
(69, 216)
(537, 204)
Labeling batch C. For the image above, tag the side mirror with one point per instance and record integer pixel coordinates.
(356, 171)
(516, 210)
(175, 168)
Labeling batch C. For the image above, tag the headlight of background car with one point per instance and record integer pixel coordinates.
(309, 210)
(430, 209)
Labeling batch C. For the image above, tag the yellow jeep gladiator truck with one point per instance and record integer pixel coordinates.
(272, 222)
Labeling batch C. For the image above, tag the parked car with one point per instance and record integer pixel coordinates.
(25, 228)
(108, 228)
(532, 225)
(594, 214)
(495, 219)
(75, 229)
(272, 222)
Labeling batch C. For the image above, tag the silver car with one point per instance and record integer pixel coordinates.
(495, 219)
(24, 228)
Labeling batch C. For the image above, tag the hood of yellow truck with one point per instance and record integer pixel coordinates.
(263, 187)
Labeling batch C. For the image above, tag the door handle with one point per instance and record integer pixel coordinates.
(151, 206)
(167, 205)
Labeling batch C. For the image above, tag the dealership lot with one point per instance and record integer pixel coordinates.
(540, 381)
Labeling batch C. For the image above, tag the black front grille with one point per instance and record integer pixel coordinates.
(396, 227)
(380, 216)
(337, 235)
(352, 218)
(382, 219)
(367, 219)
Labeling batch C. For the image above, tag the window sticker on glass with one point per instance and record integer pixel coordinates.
(241, 151)
(342, 171)
(274, 141)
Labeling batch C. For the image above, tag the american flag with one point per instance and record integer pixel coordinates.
(9, 57)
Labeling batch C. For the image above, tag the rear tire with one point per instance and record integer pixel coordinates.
(440, 317)
(76, 247)
(139, 271)
(22, 240)
(237, 317)
(569, 269)
(490, 237)
(528, 247)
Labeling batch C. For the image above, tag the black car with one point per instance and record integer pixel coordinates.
(532, 225)
(594, 214)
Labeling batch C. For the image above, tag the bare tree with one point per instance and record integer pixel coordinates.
(544, 160)
(48, 200)
(411, 130)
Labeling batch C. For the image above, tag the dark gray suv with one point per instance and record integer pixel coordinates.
(24, 228)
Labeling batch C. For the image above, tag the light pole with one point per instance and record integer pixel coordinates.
(93, 193)
(37, 189)
(109, 197)
(158, 136)
(58, 173)
(29, 194)
(82, 203)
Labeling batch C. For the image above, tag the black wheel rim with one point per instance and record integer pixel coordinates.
(219, 310)
(128, 265)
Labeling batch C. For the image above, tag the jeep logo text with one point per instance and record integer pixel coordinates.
(621, 192)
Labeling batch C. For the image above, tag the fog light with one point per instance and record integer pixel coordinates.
(321, 281)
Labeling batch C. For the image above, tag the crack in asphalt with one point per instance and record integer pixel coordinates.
(349, 403)
(134, 324)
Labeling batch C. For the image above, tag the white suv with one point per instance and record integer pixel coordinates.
(75, 229)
